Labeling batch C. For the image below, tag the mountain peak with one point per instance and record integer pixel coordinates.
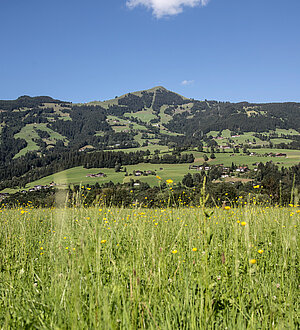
(158, 88)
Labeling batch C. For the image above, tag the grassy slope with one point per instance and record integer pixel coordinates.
(29, 133)
(77, 175)
(57, 111)
(115, 122)
(144, 115)
(226, 134)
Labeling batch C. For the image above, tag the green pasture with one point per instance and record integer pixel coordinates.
(280, 140)
(164, 118)
(57, 111)
(286, 131)
(249, 138)
(145, 115)
(77, 175)
(29, 134)
(119, 124)
(228, 157)
(115, 268)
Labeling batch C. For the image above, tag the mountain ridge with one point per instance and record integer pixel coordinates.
(147, 117)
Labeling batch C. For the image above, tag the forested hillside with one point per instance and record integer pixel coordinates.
(42, 131)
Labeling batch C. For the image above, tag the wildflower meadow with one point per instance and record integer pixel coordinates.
(167, 268)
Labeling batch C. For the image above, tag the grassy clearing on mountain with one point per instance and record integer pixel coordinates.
(138, 268)
(58, 110)
(121, 125)
(145, 115)
(229, 157)
(164, 118)
(249, 138)
(29, 134)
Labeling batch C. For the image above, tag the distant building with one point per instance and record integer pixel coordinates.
(242, 169)
(98, 175)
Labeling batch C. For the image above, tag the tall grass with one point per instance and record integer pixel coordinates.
(165, 268)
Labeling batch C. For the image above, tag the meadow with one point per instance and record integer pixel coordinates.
(78, 175)
(114, 268)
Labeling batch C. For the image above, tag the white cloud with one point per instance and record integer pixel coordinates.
(166, 7)
(187, 82)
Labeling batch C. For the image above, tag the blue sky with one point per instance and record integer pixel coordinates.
(229, 50)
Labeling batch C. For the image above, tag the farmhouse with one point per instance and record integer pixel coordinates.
(242, 169)
(196, 167)
(87, 147)
(98, 175)
(271, 154)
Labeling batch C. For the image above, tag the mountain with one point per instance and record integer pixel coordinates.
(143, 118)
(41, 135)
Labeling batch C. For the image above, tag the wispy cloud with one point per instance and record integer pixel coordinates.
(187, 82)
(163, 8)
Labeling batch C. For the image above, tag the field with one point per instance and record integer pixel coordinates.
(293, 157)
(29, 133)
(249, 138)
(141, 268)
(77, 175)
